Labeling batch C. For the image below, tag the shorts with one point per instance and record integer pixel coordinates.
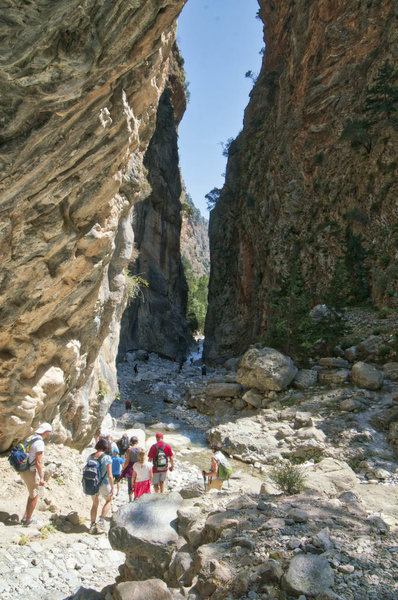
(32, 481)
(116, 478)
(104, 491)
(158, 477)
(215, 484)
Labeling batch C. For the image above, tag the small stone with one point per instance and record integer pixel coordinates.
(346, 569)
(298, 515)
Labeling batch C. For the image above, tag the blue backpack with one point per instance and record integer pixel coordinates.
(20, 454)
(92, 477)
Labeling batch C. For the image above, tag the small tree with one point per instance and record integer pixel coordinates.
(356, 132)
(212, 198)
(382, 96)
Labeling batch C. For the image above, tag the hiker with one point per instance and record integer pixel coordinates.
(128, 405)
(130, 459)
(204, 371)
(105, 488)
(112, 445)
(159, 454)
(220, 468)
(33, 476)
(123, 445)
(142, 475)
(180, 365)
(117, 462)
(136, 368)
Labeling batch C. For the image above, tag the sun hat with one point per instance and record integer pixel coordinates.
(43, 428)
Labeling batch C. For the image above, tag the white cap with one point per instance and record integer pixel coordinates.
(43, 428)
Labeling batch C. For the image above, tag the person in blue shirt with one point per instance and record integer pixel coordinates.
(117, 462)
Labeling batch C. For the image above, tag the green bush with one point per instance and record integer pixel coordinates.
(290, 478)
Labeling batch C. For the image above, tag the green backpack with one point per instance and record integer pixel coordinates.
(224, 471)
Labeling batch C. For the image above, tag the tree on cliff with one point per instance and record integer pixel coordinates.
(382, 96)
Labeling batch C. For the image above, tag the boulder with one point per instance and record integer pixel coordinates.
(330, 477)
(155, 589)
(223, 390)
(143, 530)
(193, 490)
(351, 354)
(187, 516)
(265, 369)
(338, 377)
(369, 348)
(305, 378)
(332, 362)
(391, 370)
(366, 376)
(217, 523)
(253, 398)
(308, 574)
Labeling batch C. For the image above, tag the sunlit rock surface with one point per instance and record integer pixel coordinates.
(296, 190)
(80, 83)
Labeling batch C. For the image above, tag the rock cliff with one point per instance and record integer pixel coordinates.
(312, 177)
(80, 84)
(155, 319)
(194, 238)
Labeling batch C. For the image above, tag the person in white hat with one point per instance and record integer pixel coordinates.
(33, 477)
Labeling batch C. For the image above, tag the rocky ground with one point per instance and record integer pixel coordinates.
(343, 525)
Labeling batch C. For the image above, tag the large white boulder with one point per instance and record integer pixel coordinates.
(367, 376)
(266, 369)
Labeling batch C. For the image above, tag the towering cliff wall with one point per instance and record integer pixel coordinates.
(80, 83)
(155, 318)
(312, 177)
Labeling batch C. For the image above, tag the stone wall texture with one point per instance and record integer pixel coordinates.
(297, 187)
(155, 319)
(80, 83)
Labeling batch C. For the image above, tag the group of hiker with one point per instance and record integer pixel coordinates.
(111, 462)
(107, 466)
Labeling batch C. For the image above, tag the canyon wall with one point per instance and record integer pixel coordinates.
(154, 319)
(311, 180)
(80, 83)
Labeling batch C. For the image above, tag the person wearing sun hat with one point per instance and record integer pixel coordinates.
(33, 477)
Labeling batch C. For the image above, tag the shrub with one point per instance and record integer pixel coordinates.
(384, 350)
(46, 531)
(290, 478)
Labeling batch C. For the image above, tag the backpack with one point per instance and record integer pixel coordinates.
(160, 460)
(224, 470)
(123, 444)
(20, 454)
(92, 477)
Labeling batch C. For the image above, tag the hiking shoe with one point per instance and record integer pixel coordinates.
(23, 519)
(30, 522)
(101, 528)
(93, 528)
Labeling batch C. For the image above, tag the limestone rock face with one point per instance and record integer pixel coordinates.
(155, 318)
(295, 189)
(79, 88)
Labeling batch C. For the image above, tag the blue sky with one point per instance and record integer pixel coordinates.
(220, 41)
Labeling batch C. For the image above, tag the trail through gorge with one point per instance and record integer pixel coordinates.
(57, 556)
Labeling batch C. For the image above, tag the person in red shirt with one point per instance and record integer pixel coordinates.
(159, 454)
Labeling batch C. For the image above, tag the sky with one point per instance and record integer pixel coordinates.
(220, 41)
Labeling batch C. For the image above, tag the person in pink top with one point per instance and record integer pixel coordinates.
(142, 475)
(159, 454)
